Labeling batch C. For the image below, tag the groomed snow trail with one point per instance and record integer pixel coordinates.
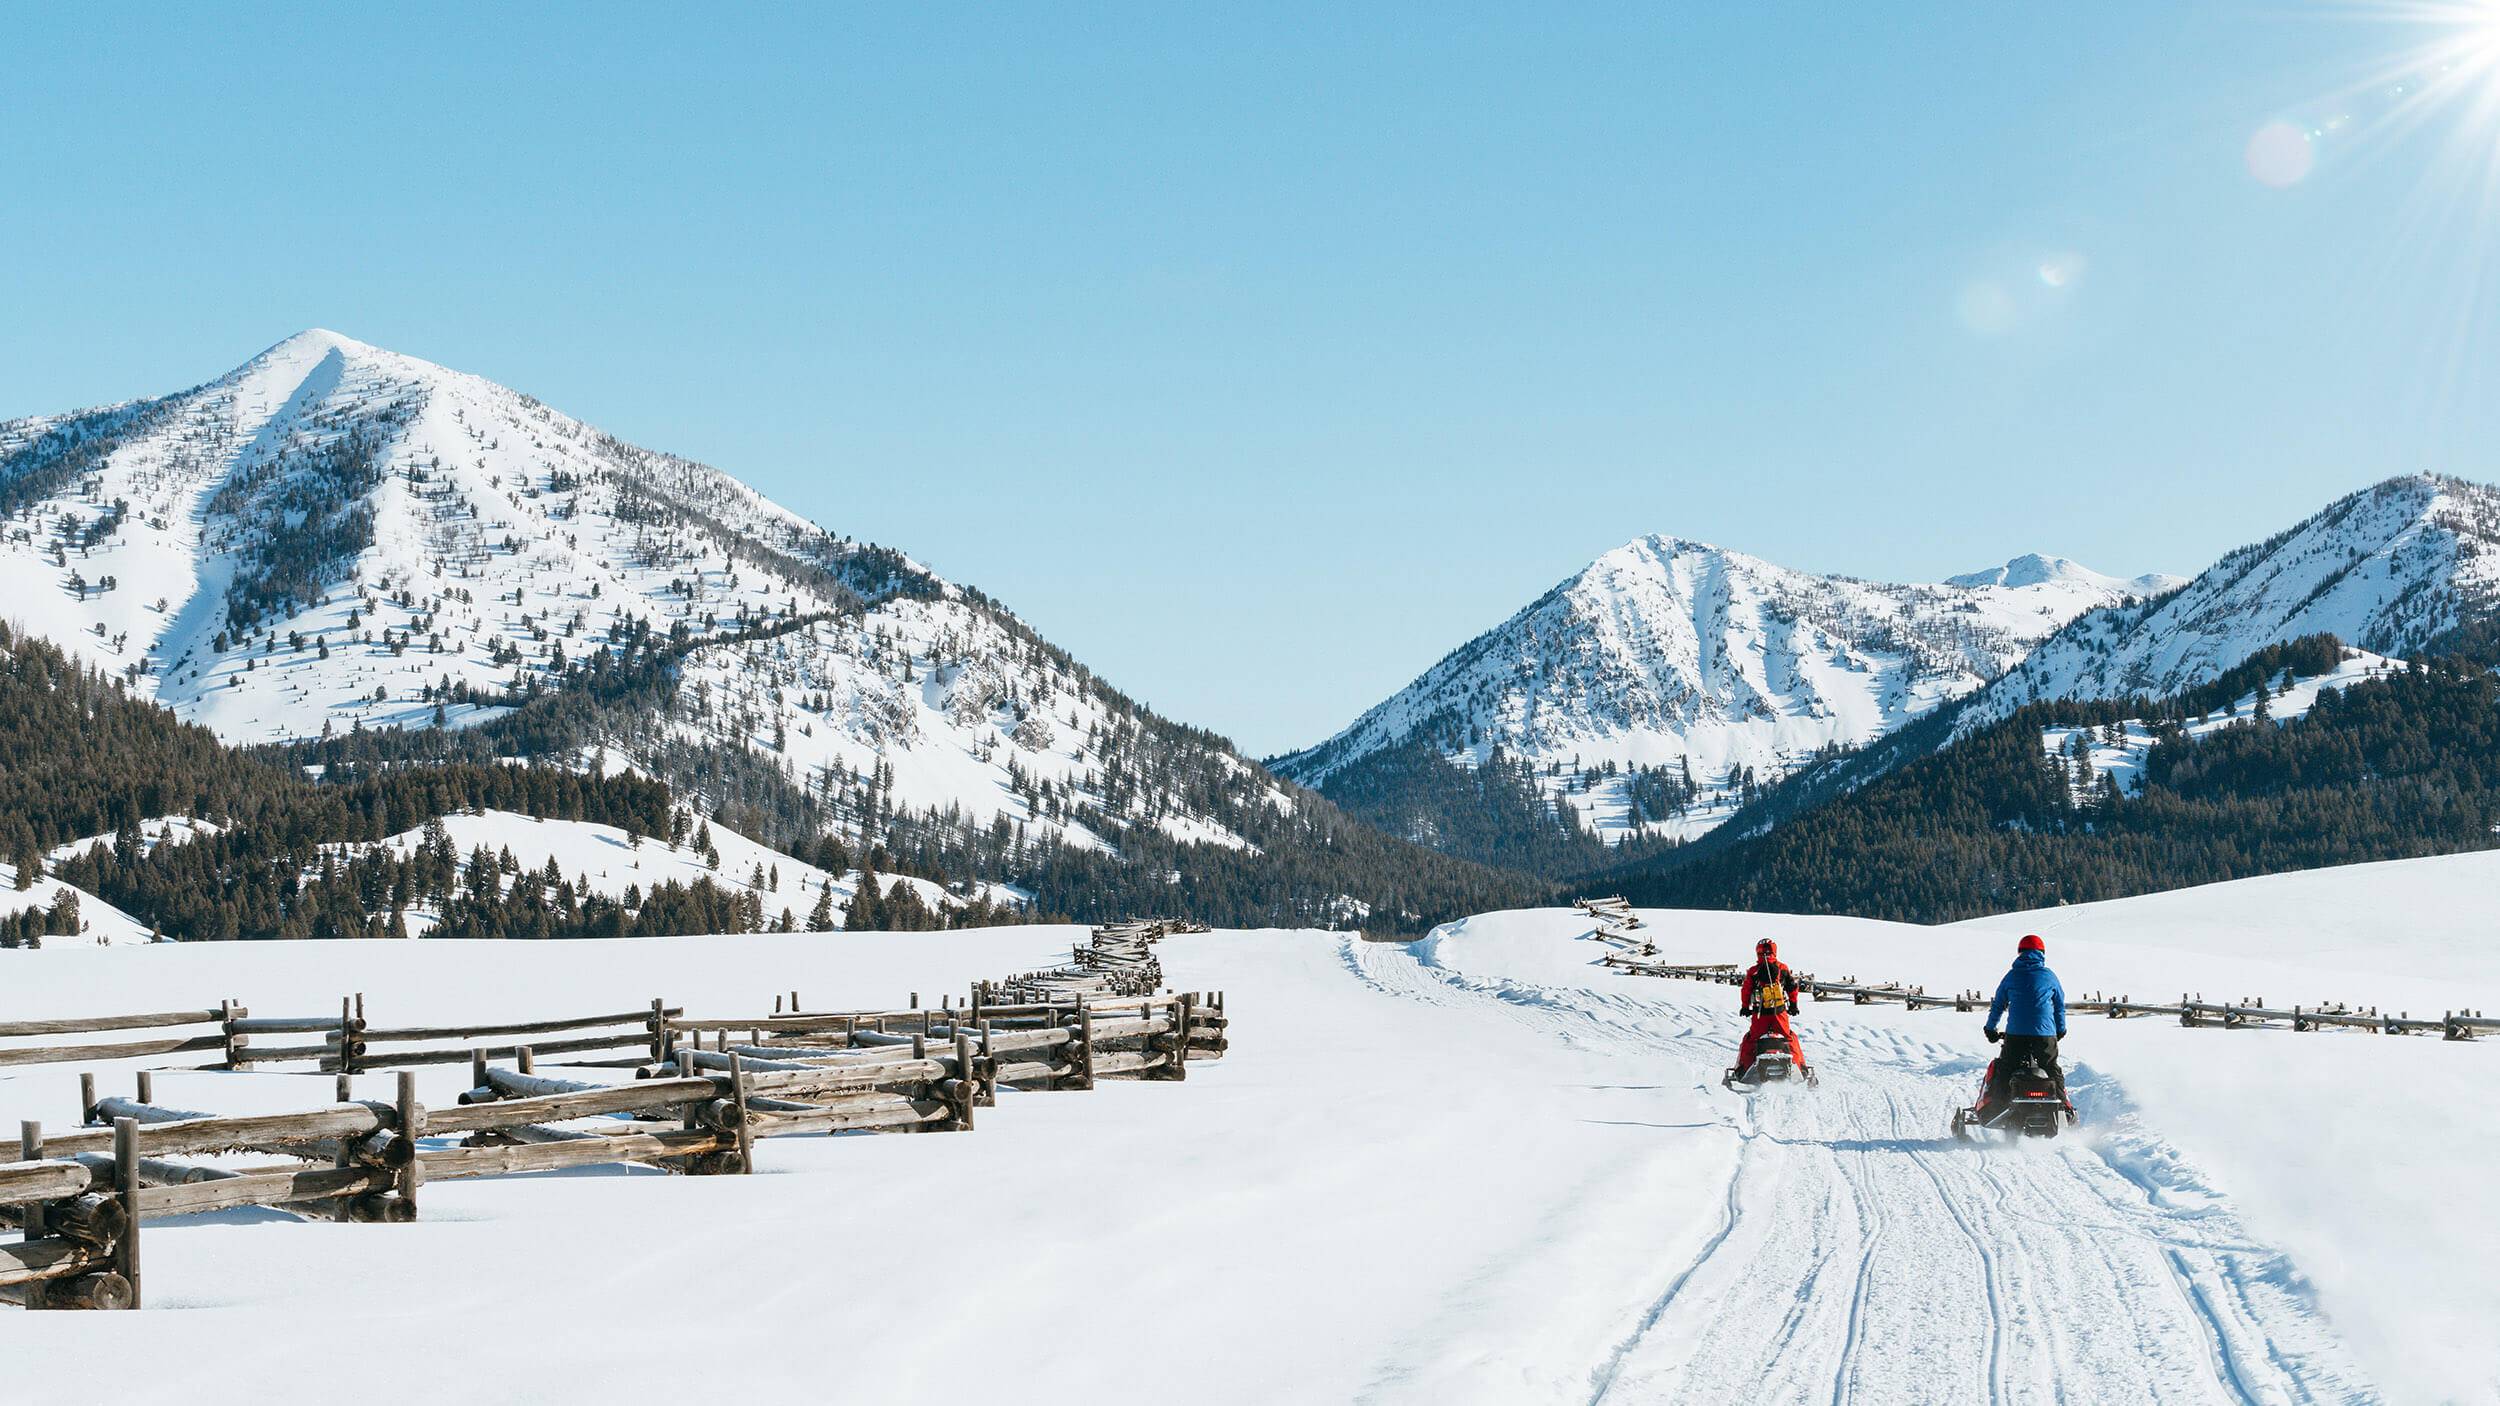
(1863, 1255)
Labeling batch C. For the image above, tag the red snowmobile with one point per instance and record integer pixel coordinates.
(1774, 1063)
(2033, 1106)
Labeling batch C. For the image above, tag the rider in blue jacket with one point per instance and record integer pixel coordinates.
(2029, 1016)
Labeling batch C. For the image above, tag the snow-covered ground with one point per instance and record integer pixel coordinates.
(1474, 1169)
(604, 859)
(99, 922)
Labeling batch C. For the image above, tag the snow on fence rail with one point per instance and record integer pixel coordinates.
(2190, 1009)
(78, 1198)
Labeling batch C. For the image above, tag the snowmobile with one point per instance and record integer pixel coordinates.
(1773, 1063)
(2033, 1107)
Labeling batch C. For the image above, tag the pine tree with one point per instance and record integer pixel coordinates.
(866, 912)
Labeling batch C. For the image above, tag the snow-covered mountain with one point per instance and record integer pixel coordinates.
(2389, 569)
(1667, 679)
(336, 536)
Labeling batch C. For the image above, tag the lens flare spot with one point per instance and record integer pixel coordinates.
(2062, 270)
(2280, 155)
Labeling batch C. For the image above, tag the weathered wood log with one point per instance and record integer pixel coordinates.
(965, 1088)
(94, 1220)
(385, 1149)
(372, 1208)
(247, 1055)
(259, 1187)
(37, 1261)
(810, 1083)
(639, 1020)
(1117, 1062)
(442, 1164)
(157, 1171)
(101, 1291)
(137, 1049)
(81, 1025)
(1081, 1049)
(885, 1112)
(1131, 1028)
(126, 1177)
(169, 1132)
(579, 1101)
(738, 1113)
(286, 1025)
(1019, 1073)
(411, 1134)
(803, 1056)
(814, 1024)
(371, 1058)
(516, 1083)
(24, 1182)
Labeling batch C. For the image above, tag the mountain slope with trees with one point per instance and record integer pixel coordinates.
(358, 560)
(1658, 691)
(2000, 819)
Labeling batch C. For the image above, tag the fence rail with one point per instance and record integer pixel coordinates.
(79, 1198)
(2190, 1009)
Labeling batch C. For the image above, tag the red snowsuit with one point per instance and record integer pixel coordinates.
(1770, 993)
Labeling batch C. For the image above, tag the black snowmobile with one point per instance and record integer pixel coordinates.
(1773, 1063)
(2033, 1106)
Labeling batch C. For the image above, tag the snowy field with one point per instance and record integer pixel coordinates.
(1474, 1169)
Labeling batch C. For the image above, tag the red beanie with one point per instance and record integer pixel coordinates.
(2032, 943)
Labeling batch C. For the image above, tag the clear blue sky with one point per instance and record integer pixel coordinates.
(1261, 358)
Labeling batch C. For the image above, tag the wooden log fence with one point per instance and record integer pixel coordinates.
(229, 1036)
(2248, 1013)
(1616, 924)
(79, 1199)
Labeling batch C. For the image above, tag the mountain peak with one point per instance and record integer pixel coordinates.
(2029, 569)
(313, 343)
(2390, 569)
(1689, 673)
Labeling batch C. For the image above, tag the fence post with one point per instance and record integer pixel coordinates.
(411, 1127)
(967, 1087)
(1085, 1045)
(30, 1149)
(989, 1067)
(227, 1015)
(1183, 1007)
(738, 1101)
(126, 1173)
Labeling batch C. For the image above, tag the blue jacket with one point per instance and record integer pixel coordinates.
(2029, 1000)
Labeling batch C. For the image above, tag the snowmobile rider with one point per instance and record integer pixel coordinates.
(1770, 993)
(2029, 1016)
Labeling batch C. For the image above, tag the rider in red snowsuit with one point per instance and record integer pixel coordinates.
(1770, 993)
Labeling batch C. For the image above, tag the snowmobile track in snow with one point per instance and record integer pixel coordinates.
(1861, 1255)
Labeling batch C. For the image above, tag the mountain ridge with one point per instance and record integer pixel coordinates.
(2389, 568)
(358, 558)
(1688, 675)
